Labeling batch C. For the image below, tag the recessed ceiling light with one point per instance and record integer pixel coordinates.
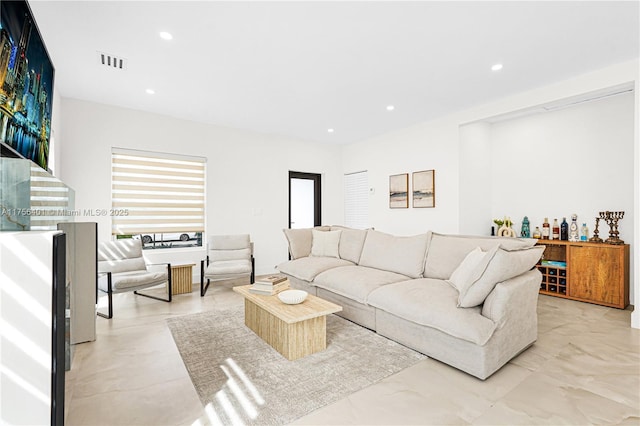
(330, 130)
(390, 107)
(165, 35)
(150, 91)
(496, 67)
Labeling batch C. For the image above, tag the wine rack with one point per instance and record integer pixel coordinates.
(554, 280)
(589, 272)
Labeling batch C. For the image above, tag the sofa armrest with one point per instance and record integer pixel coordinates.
(514, 299)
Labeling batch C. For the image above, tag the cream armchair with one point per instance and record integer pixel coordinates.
(122, 268)
(228, 257)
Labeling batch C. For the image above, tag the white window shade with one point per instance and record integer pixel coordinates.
(154, 193)
(356, 200)
(51, 201)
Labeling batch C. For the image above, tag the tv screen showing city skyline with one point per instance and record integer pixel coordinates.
(26, 84)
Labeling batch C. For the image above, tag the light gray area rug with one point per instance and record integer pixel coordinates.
(242, 380)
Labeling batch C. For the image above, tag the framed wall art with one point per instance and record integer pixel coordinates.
(399, 191)
(424, 189)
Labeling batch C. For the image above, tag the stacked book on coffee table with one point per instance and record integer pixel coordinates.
(270, 285)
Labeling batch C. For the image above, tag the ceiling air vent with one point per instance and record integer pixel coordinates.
(111, 61)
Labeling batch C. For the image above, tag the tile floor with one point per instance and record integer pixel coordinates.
(584, 369)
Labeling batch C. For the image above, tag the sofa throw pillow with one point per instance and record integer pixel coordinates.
(504, 265)
(325, 243)
(351, 242)
(300, 240)
(402, 255)
(447, 251)
(471, 269)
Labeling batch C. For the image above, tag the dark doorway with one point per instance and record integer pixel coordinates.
(304, 200)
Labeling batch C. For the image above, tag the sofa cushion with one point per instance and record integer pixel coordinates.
(432, 303)
(504, 265)
(446, 252)
(307, 268)
(325, 243)
(471, 269)
(403, 255)
(300, 240)
(356, 282)
(351, 243)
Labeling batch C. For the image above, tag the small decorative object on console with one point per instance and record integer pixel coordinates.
(292, 297)
(573, 229)
(505, 230)
(536, 233)
(612, 219)
(596, 238)
(524, 231)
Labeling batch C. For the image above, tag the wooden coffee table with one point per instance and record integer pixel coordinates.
(293, 330)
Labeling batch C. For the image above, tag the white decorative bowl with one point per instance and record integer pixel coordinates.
(292, 297)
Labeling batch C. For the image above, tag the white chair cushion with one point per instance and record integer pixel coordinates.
(235, 254)
(230, 242)
(127, 280)
(121, 256)
(228, 267)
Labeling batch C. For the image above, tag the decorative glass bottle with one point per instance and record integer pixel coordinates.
(545, 229)
(564, 230)
(574, 234)
(584, 233)
(524, 231)
(536, 233)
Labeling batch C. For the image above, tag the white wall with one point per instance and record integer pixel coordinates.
(56, 132)
(423, 147)
(247, 173)
(245, 161)
(443, 145)
(575, 160)
(476, 183)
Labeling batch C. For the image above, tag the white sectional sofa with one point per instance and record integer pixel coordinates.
(464, 300)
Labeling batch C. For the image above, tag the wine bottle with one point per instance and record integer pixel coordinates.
(564, 230)
(545, 229)
(556, 230)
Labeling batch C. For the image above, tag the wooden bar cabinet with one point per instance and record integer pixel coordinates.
(594, 272)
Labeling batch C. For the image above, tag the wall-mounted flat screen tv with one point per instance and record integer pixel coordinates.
(26, 85)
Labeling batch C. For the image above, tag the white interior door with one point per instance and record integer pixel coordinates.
(302, 203)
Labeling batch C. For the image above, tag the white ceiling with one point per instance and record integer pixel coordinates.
(299, 68)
